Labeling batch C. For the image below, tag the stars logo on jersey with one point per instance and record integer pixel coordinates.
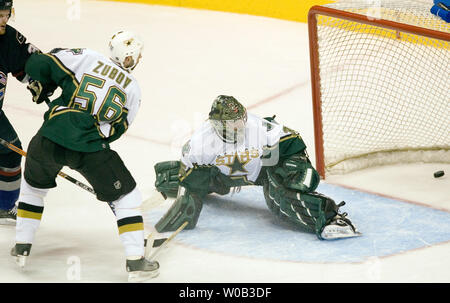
(76, 51)
(20, 38)
(236, 162)
(128, 42)
(237, 165)
(186, 148)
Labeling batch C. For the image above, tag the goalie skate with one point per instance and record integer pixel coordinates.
(339, 227)
(20, 252)
(141, 270)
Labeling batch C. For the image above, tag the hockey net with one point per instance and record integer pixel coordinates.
(380, 84)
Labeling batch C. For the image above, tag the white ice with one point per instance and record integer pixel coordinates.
(190, 57)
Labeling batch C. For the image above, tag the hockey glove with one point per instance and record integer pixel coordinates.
(39, 92)
(167, 178)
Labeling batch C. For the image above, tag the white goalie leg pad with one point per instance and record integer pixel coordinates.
(130, 223)
(28, 221)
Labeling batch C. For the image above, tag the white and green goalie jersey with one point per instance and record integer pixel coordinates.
(99, 100)
(265, 143)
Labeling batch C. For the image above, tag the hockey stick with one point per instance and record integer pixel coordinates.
(153, 201)
(152, 256)
(61, 174)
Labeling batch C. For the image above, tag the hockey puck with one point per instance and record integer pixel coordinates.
(439, 174)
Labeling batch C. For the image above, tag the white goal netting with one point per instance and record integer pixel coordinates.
(384, 92)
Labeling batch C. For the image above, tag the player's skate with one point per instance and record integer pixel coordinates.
(8, 217)
(20, 252)
(142, 269)
(340, 227)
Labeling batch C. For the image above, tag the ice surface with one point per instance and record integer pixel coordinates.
(190, 57)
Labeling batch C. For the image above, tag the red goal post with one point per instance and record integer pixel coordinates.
(380, 85)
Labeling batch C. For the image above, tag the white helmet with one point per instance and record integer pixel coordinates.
(123, 44)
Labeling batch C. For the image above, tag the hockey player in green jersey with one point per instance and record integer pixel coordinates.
(235, 148)
(99, 100)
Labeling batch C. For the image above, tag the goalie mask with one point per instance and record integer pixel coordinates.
(228, 118)
(125, 44)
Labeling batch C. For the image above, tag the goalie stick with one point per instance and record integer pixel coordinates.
(154, 200)
(152, 256)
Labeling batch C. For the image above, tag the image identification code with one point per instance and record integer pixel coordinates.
(225, 292)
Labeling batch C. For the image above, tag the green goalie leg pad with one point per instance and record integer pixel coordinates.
(310, 211)
(321, 209)
(185, 208)
(297, 173)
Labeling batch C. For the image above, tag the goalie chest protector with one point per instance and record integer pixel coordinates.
(238, 161)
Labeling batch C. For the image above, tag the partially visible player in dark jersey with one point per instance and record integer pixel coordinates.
(14, 52)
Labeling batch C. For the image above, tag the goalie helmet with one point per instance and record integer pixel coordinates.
(228, 118)
(124, 44)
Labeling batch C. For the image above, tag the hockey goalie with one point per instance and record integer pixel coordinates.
(234, 148)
